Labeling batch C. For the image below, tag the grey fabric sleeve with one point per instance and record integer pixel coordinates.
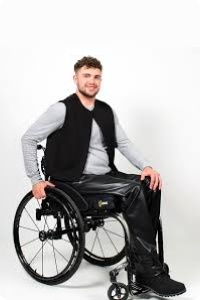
(52, 120)
(48, 122)
(128, 148)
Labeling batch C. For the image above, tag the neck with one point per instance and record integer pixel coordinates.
(87, 101)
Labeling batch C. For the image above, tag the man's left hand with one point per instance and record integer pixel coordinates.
(156, 180)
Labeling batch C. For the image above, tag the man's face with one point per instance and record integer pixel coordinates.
(88, 81)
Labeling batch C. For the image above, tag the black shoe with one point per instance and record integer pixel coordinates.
(162, 285)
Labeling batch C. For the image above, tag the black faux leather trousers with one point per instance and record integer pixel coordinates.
(141, 209)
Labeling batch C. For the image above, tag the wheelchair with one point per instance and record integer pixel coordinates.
(52, 235)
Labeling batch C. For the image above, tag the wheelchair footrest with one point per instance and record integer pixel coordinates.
(136, 289)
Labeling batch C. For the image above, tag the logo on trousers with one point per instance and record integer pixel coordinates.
(102, 203)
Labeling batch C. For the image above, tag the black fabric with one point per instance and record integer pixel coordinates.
(104, 184)
(67, 148)
(99, 202)
(80, 201)
(162, 285)
(141, 209)
(107, 125)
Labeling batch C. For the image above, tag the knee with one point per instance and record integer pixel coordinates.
(146, 182)
(146, 185)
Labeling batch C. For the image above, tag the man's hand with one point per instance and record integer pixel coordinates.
(156, 180)
(38, 189)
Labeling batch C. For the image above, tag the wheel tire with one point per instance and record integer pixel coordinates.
(103, 262)
(99, 259)
(115, 291)
(68, 208)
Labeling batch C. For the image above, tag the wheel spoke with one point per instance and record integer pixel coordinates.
(27, 228)
(55, 225)
(58, 252)
(31, 219)
(94, 241)
(38, 203)
(55, 257)
(111, 241)
(66, 241)
(45, 219)
(45, 223)
(37, 253)
(42, 236)
(42, 259)
(108, 230)
(100, 246)
(30, 242)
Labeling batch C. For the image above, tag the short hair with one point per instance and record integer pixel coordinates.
(89, 62)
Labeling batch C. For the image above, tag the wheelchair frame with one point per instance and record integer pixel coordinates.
(75, 224)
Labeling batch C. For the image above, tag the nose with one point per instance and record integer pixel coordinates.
(92, 80)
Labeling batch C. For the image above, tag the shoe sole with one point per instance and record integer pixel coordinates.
(162, 295)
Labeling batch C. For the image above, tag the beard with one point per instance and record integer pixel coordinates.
(84, 93)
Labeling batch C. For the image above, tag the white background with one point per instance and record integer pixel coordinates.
(150, 51)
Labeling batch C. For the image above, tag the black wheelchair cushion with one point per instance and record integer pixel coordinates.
(100, 201)
(87, 202)
(73, 194)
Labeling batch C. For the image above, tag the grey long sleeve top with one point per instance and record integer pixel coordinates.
(97, 160)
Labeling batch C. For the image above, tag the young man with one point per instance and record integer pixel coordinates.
(82, 134)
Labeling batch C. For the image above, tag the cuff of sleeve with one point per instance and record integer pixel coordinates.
(35, 180)
(146, 164)
(148, 167)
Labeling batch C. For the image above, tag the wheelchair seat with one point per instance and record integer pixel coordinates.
(52, 235)
(54, 228)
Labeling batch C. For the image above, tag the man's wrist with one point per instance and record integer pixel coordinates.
(35, 181)
(147, 167)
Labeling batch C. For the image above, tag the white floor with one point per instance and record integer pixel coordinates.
(91, 282)
(182, 253)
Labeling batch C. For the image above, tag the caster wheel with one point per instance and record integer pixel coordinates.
(118, 291)
(166, 268)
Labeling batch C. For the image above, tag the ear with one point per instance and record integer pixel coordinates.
(75, 78)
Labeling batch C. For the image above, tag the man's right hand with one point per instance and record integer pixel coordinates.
(38, 189)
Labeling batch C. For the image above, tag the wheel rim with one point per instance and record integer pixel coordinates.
(43, 246)
(118, 292)
(105, 245)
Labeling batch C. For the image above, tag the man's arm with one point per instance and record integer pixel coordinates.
(47, 123)
(128, 148)
(131, 152)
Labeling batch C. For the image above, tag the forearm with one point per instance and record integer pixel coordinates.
(29, 148)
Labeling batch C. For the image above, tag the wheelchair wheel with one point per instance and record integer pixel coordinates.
(49, 236)
(105, 241)
(118, 291)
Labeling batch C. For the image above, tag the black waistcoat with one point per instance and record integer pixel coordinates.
(67, 148)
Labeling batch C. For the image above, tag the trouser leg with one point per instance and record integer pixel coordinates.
(140, 208)
(141, 211)
(153, 201)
